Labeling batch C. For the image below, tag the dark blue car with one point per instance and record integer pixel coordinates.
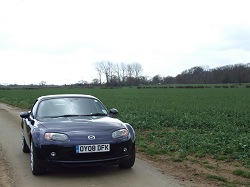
(75, 130)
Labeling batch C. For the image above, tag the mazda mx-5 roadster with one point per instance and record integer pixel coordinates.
(75, 130)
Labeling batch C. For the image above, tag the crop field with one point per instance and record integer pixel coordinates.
(200, 122)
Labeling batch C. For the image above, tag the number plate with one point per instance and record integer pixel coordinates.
(92, 148)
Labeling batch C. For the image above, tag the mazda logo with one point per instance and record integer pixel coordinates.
(91, 137)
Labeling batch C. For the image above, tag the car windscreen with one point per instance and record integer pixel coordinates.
(66, 107)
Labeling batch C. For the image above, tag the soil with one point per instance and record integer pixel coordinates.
(199, 172)
(6, 179)
(191, 172)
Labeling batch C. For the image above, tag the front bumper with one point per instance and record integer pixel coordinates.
(62, 155)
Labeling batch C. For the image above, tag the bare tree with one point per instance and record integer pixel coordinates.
(106, 68)
(42, 83)
(123, 69)
(99, 69)
(117, 70)
(130, 70)
(110, 67)
(137, 69)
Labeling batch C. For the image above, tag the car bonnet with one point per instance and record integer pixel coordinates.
(67, 124)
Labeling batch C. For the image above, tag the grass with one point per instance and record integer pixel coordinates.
(242, 173)
(217, 178)
(200, 122)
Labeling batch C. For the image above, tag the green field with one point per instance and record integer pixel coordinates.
(212, 122)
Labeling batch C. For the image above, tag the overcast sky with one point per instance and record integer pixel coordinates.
(58, 41)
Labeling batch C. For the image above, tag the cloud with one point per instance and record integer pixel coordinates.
(59, 41)
(237, 37)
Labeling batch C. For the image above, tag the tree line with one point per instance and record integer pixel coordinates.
(130, 75)
(122, 74)
(230, 74)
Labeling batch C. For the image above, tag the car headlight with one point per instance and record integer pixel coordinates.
(56, 137)
(122, 133)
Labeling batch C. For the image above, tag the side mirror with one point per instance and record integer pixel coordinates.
(24, 115)
(113, 112)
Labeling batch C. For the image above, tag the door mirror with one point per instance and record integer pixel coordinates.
(113, 112)
(24, 115)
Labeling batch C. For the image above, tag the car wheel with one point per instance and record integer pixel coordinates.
(36, 168)
(25, 147)
(128, 163)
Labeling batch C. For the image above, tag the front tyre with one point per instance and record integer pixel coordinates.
(25, 147)
(36, 168)
(128, 163)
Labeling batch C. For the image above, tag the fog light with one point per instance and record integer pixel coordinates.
(53, 154)
(125, 149)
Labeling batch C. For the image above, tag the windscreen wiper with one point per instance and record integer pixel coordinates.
(75, 115)
(96, 114)
(65, 116)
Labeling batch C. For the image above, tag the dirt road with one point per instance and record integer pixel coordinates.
(17, 172)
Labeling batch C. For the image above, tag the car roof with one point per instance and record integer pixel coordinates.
(65, 96)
